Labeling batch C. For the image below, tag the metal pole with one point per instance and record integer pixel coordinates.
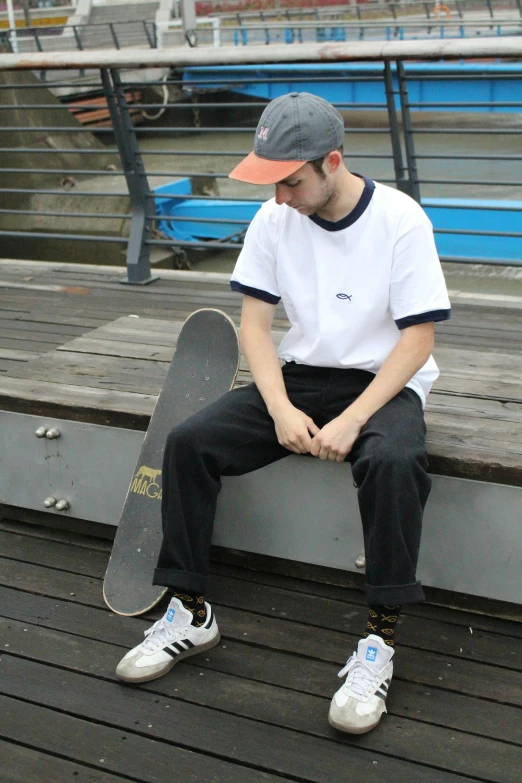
(79, 45)
(401, 179)
(450, 49)
(12, 26)
(188, 13)
(114, 36)
(138, 252)
(37, 41)
(147, 34)
(43, 73)
(77, 38)
(408, 133)
(27, 12)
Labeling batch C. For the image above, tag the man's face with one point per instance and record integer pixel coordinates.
(306, 191)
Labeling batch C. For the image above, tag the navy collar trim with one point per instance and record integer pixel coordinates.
(355, 214)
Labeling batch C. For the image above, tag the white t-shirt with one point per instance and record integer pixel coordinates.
(348, 287)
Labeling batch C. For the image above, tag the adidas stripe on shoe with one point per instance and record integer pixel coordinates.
(168, 641)
(359, 704)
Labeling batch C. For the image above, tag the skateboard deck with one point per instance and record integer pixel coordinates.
(203, 368)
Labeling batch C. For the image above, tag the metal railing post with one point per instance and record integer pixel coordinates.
(114, 36)
(77, 38)
(267, 34)
(39, 47)
(401, 179)
(147, 33)
(79, 45)
(138, 252)
(411, 160)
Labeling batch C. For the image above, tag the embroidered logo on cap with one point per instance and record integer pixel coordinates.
(263, 133)
(371, 653)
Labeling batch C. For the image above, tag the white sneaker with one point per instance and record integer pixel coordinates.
(358, 705)
(168, 641)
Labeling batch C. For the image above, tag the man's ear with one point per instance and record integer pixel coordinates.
(333, 160)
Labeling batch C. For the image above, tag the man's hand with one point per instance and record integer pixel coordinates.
(336, 438)
(293, 429)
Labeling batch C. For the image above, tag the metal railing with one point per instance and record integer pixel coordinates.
(86, 36)
(302, 32)
(365, 11)
(456, 18)
(195, 130)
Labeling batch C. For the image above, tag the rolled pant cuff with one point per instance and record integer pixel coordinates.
(390, 595)
(180, 580)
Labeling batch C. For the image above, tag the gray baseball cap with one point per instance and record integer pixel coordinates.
(293, 129)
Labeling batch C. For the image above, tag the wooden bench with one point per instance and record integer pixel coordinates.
(100, 389)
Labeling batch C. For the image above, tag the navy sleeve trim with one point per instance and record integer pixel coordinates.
(255, 292)
(423, 318)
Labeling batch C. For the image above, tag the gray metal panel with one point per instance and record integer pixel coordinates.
(298, 508)
(472, 538)
(307, 510)
(88, 465)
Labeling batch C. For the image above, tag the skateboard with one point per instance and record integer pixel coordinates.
(203, 368)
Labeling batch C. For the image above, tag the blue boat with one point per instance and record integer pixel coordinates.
(490, 87)
(212, 216)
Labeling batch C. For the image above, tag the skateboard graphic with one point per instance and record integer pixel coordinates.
(203, 368)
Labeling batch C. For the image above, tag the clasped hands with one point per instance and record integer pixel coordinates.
(298, 432)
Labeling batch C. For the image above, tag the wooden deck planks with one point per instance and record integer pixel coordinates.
(254, 708)
(91, 356)
(98, 747)
(130, 355)
(23, 765)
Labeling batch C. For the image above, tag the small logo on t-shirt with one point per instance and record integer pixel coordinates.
(345, 296)
(371, 653)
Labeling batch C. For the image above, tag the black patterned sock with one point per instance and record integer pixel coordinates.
(193, 603)
(382, 621)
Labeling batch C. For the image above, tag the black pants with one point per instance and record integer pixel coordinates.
(236, 435)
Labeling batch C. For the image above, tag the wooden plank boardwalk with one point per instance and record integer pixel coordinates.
(72, 346)
(254, 709)
(74, 343)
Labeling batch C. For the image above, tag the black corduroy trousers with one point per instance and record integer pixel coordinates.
(236, 435)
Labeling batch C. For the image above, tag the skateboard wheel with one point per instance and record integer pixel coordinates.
(52, 433)
(62, 505)
(49, 502)
(360, 561)
(41, 432)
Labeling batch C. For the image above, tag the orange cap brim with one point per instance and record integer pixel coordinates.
(260, 171)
